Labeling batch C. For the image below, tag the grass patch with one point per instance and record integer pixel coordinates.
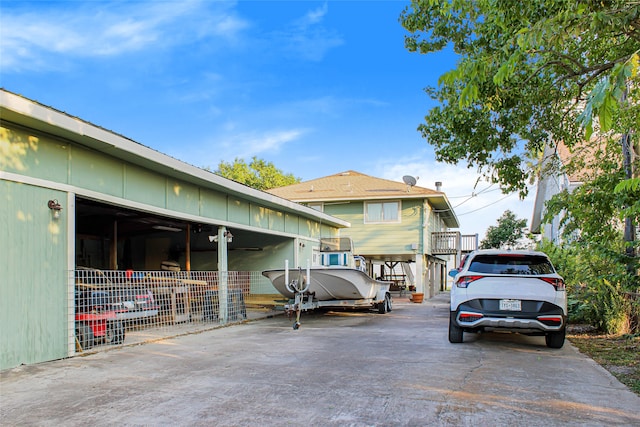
(618, 354)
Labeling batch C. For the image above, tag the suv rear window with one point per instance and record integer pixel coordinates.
(511, 264)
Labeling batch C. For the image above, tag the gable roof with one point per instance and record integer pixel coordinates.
(353, 185)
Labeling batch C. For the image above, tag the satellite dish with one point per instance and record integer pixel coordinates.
(409, 180)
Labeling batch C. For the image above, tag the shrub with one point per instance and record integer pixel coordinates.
(598, 284)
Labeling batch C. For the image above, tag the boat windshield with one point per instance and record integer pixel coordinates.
(335, 244)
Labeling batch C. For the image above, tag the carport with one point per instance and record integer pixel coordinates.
(83, 205)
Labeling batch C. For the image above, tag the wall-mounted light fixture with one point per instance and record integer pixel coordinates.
(55, 207)
(227, 234)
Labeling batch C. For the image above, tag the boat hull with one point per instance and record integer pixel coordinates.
(332, 283)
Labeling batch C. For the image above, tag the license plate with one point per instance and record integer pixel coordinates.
(510, 305)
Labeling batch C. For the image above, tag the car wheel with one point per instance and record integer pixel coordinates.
(115, 333)
(389, 303)
(455, 331)
(555, 339)
(84, 335)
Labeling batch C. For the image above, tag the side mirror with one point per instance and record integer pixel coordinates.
(453, 273)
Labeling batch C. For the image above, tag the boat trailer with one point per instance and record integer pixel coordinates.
(305, 301)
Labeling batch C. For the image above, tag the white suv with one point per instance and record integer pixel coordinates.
(517, 291)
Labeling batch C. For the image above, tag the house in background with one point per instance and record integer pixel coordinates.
(554, 178)
(393, 224)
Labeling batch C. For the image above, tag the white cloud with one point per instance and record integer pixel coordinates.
(247, 145)
(30, 40)
(313, 16)
(307, 38)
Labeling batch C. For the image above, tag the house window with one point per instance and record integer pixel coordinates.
(317, 206)
(382, 212)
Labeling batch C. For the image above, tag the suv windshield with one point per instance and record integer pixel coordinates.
(511, 264)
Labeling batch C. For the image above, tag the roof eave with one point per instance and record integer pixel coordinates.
(27, 113)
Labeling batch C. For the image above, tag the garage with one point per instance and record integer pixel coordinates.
(111, 241)
(140, 276)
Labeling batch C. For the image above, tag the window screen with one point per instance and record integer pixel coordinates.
(382, 212)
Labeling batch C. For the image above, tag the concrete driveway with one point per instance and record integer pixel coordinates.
(344, 369)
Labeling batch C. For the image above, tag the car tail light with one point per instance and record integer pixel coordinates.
(466, 316)
(553, 320)
(464, 281)
(556, 283)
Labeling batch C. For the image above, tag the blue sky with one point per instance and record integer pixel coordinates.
(316, 88)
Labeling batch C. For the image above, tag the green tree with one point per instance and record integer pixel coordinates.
(509, 233)
(546, 70)
(542, 72)
(258, 174)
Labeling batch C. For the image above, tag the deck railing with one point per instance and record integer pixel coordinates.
(452, 242)
(122, 307)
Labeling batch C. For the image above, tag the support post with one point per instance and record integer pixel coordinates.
(223, 275)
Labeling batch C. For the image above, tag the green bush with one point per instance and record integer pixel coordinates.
(608, 309)
(597, 280)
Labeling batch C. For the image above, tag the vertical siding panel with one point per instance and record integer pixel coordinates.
(33, 292)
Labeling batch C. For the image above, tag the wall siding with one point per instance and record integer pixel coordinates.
(239, 211)
(183, 197)
(276, 220)
(145, 186)
(104, 175)
(291, 224)
(33, 318)
(48, 158)
(34, 289)
(23, 153)
(380, 238)
(213, 204)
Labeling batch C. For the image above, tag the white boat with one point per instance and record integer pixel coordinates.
(342, 276)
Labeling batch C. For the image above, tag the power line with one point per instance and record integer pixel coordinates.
(486, 206)
(490, 204)
(472, 195)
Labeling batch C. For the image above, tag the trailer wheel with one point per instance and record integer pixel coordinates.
(383, 307)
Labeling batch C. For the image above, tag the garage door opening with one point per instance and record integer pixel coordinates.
(141, 276)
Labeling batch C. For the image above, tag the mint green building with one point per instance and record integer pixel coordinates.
(73, 195)
(393, 224)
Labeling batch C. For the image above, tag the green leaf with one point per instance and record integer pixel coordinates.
(606, 111)
(628, 185)
(599, 93)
